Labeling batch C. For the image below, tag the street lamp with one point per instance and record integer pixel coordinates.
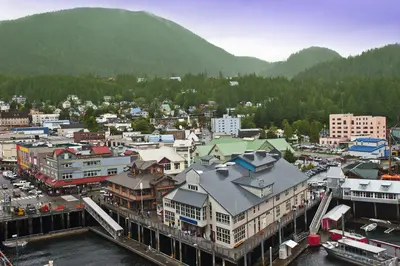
(141, 196)
(16, 248)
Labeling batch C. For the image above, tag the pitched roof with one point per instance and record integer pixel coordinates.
(360, 148)
(203, 150)
(280, 144)
(59, 151)
(370, 140)
(126, 179)
(101, 150)
(159, 154)
(191, 198)
(143, 165)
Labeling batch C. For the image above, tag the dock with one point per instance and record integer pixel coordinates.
(140, 249)
(303, 245)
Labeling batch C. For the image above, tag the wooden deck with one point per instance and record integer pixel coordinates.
(295, 253)
(142, 250)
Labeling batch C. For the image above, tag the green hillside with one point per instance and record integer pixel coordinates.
(301, 61)
(379, 62)
(108, 42)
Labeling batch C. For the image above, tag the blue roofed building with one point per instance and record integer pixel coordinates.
(368, 148)
(161, 138)
(229, 203)
(136, 111)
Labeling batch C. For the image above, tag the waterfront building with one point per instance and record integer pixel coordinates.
(39, 119)
(344, 126)
(226, 124)
(370, 148)
(66, 167)
(166, 156)
(232, 202)
(145, 182)
(14, 119)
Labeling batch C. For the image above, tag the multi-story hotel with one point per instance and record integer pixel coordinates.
(230, 203)
(226, 124)
(345, 126)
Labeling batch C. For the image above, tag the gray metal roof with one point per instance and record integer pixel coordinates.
(181, 177)
(234, 198)
(259, 160)
(383, 186)
(189, 197)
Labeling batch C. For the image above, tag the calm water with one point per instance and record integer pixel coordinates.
(80, 250)
(318, 256)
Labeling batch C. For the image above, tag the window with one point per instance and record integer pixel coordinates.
(112, 171)
(222, 218)
(187, 211)
(239, 217)
(193, 187)
(169, 216)
(67, 176)
(90, 163)
(288, 205)
(204, 213)
(278, 211)
(278, 197)
(239, 233)
(66, 165)
(294, 188)
(177, 165)
(91, 173)
(223, 235)
(167, 166)
(210, 211)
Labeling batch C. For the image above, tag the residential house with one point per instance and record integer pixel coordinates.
(19, 99)
(66, 104)
(145, 183)
(230, 203)
(166, 156)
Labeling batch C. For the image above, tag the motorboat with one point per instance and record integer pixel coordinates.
(358, 253)
(15, 243)
(370, 227)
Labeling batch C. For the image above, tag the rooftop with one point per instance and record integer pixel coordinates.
(369, 149)
(370, 140)
(372, 185)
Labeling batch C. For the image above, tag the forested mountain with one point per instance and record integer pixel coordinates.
(107, 42)
(300, 61)
(312, 99)
(379, 62)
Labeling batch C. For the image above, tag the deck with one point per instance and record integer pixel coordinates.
(295, 253)
(142, 250)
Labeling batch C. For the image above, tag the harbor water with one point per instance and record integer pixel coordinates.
(90, 249)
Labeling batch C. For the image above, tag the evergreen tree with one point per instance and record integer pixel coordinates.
(289, 156)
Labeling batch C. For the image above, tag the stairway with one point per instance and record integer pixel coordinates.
(322, 208)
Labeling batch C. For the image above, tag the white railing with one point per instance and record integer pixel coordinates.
(323, 206)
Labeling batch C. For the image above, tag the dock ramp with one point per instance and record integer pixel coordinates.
(322, 208)
(107, 222)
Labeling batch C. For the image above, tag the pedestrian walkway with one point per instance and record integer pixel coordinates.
(23, 198)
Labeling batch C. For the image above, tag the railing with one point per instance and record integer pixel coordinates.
(323, 206)
(207, 245)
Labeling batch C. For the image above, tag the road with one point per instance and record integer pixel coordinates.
(206, 135)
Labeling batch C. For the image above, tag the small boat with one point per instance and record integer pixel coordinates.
(15, 243)
(379, 221)
(358, 253)
(370, 227)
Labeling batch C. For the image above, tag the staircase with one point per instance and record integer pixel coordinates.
(322, 208)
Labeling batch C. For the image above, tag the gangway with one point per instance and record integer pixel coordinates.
(108, 223)
(323, 206)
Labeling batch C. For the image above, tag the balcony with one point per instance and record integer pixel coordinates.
(128, 195)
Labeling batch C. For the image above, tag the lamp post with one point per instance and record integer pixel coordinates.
(141, 196)
(16, 249)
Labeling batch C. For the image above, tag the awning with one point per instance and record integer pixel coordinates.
(78, 181)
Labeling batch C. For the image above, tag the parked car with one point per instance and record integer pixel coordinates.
(17, 193)
(4, 186)
(30, 209)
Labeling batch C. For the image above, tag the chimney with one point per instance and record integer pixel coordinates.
(223, 171)
(249, 156)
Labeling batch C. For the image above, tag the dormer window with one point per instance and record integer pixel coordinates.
(193, 187)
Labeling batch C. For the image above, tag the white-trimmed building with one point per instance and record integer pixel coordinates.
(173, 163)
(368, 148)
(184, 148)
(232, 202)
(39, 119)
(226, 124)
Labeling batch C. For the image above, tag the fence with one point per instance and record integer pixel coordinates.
(207, 245)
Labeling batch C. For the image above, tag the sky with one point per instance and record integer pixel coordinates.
(268, 29)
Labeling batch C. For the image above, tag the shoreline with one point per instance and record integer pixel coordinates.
(51, 235)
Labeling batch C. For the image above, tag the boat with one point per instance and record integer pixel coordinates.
(371, 227)
(358, 253)
(338, 234)
(379, 221)
(15, 243)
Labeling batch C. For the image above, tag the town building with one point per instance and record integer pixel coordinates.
(230, 203)
(14, 119)
(36, 131)
(39, 119)
(55, 124)
(344, 126)
(370, 148)
(18, 99)
(226, 124)
(145, 181)
(66, 168)
(90, 137)
(68, 130)
(184, 149)
(166, 156)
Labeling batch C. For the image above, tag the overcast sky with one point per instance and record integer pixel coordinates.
(267, 29)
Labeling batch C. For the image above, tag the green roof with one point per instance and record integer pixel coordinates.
(228, 149)
(224, 140)
(280, 144)
(203, 150)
